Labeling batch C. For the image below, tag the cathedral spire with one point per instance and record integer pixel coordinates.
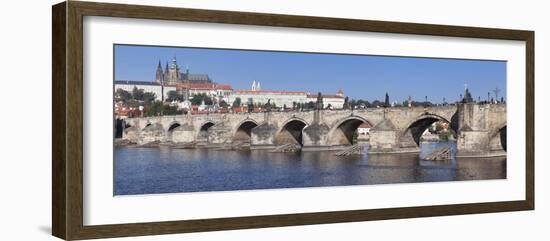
(174, 64)
(159, 76)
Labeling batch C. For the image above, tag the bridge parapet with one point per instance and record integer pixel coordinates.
(478, 127)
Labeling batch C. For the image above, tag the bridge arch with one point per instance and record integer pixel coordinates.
(343, 132)
(243, 130)
(418, 126)
(170, 130)
(147, 124)
(291, 132)
(497, 138)
(202, 134)
(206, 125)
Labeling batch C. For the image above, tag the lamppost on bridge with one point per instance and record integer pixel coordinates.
(426, 101)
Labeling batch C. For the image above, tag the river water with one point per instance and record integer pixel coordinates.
(166, 170)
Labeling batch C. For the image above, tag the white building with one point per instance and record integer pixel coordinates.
(280, 98)
(146, 86)
(214, 90)
(185, 105)
(363, 132)
(261, 97)
(336, 101)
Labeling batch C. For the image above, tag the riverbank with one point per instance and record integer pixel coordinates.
(247, 146)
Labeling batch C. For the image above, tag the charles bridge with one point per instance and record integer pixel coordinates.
(480, 128)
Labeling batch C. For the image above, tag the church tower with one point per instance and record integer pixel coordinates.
(159, 78)
(173, 72)
(165, 76)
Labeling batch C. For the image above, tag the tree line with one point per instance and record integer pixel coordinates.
(151, 106)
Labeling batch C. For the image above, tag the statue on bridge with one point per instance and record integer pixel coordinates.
(319, 103)
(467, 96)
(346, 103)
(267, 106)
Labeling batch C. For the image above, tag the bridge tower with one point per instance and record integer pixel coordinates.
(473, 129)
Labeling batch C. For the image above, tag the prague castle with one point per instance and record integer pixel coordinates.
(171, 78)
(172, 75)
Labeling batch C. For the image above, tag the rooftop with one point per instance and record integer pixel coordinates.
(135, 82)
(279, 92)
(326, 96)
(204, 86)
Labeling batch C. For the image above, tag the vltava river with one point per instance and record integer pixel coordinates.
(165, 170)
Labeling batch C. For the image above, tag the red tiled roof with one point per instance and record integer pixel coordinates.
(364, 125)
(270, 92)
(204, 86)
(224, 87)
(326, 96)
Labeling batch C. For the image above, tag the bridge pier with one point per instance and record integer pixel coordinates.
(263, 136)
(472, 143)
(152, 133)
(385, 137)
(131, 134)
(315, 137)
(219, 134)
(473, 132)
(183, 134)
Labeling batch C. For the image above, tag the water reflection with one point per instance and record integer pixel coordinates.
(165, 170)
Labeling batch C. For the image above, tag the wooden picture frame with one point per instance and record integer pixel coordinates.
(67, 123)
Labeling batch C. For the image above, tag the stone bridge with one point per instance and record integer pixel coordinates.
(480, 128)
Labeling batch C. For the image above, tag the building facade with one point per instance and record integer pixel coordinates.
(335, 101)
(281, 98)
(217, 91)
(276, 97)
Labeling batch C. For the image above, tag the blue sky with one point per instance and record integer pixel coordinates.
(359, 76)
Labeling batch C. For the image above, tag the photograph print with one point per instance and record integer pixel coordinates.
(190, 119)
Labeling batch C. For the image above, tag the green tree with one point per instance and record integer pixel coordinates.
(157, 108)
(376, 103)
(310, 105)
(137, 94)
(141, 95)
(149, 97)
(223, 104)
(122, 95)
(199, 98)
(237, 102)
(250, 105)
(153, 109)
(173, 95)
